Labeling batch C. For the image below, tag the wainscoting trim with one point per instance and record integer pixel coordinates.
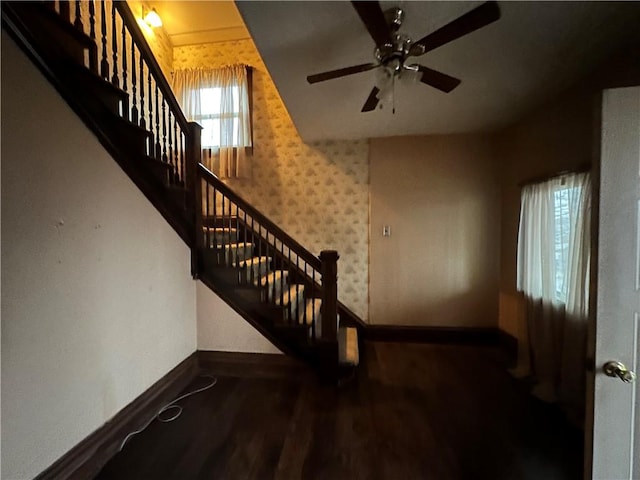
(87, 458)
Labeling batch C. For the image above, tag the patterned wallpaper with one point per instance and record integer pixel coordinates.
(317, 192)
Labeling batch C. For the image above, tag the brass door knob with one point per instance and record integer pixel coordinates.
(617, 369)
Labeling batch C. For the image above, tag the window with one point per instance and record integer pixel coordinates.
(214, 121)
(553, 241)
(220, 101)
(563, 205)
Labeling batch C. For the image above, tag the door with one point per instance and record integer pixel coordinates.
(616, 429)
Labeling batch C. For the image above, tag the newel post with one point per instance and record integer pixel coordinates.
(193, 155)
(329, 308)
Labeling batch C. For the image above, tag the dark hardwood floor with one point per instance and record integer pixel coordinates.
(415, 411)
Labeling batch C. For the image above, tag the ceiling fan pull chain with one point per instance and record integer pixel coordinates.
(393, 95)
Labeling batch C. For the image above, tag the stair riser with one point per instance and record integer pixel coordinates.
(273, 290)
(292, 309)
(130, 136)
(220, 237)
(232, 255)
(252, 272)
(158, 169)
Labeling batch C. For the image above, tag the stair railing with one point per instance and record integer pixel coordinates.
(126, 60)
(222, 211)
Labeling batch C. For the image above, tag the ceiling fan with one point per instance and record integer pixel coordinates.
(394, 48)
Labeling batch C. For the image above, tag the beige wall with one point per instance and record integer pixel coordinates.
(318, 193)
(440, 196)
(221, 328)
(97, 298)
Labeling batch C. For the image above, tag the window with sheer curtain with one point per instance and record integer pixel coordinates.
(553, 245)
(219, 100)
(554, 254)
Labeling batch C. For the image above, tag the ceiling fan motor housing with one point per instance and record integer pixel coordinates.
(393, 55)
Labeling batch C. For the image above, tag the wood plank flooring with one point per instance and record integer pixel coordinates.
(415, 411)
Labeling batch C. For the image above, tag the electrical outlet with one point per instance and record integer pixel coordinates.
(386, 231)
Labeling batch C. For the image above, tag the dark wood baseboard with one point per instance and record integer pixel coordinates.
(250, 365)
(423, 334)
(87, 458)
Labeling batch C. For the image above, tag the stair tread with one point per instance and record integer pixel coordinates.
(271, 277)
(254, 260)
(235, 245)
(348, 353)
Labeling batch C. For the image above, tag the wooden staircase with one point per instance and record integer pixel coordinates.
(99, 61)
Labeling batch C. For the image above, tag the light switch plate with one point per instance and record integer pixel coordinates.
(386, 231)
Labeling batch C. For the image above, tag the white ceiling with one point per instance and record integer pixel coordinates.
(535, 50)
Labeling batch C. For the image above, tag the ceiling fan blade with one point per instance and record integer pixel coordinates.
(341, 72)
(372, 101)
(438, 80)
(373, 18)
(477, 18)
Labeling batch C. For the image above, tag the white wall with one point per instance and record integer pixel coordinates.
(97, 298)
(221, 328)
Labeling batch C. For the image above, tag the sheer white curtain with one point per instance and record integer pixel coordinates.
(553, 274)
(218, 99)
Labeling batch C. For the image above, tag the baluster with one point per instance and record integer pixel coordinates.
(289, 272)
(282, 281)
(313, 310)
(104, 63)
(260, 255)
(78, 21)
(253, 246)
(244, 245)
(164, 131)
(175, 151)
(114, 44)
(92, 20)
(208, 229)
(158, 146)
(182, 157)
(223, 213)
(275, 269)
(124, 57)
(134, 108)
(215, 214)
(271, 288)
(65, 10)
(150, 102)
(173, 167)
(238, 239)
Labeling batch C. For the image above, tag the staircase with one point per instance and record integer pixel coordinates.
(98, 59)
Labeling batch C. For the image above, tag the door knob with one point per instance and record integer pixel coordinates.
(617, 369)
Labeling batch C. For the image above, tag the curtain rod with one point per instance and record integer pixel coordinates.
(582, 168)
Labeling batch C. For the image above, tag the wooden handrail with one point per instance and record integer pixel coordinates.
(280, 234)
(152, 63)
